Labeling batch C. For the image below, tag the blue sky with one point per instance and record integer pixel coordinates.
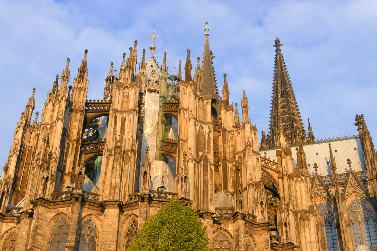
(329, 46)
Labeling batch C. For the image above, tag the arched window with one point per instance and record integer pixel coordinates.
(171, 128)
(130, 233)
(326, 219)
(93, 169)
(363, 224)
(9, 242)
(221, 242)
(88, 236)
(59, 236)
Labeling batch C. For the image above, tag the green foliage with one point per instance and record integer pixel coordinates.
(172, 228)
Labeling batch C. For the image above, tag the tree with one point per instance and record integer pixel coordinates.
(172, 228)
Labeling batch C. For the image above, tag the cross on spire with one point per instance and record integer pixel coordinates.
(277, 44)
(206, 28)
(153, 37)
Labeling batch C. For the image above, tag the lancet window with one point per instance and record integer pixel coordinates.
(328, 229)
(171, 128)
(88, 237)
(59, 236)
(363, 224)
(93, 169)
(130, 233)
(221, 242)
(9, 243)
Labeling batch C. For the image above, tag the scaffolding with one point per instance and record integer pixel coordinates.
(169, 91)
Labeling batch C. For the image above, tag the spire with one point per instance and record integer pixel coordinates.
(225, 91)
(83, 71)
(111, 70)
(180, 70)
(123, 61)
(283, 104)
(311, 137)
(301, 162)
(245, 108)
(65, 76)
(31, 101)
(332, 164)
(36, 118)
(236, 116)
(198, 76)
(369, 153)
(264, 140)
(208, 80)
(164, 62)
(188, 67)
(143, 60)
(55, 86)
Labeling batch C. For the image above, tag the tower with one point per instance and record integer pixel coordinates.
(284, 109)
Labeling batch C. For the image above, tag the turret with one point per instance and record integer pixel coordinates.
(225, 92)
(245, 108)
(188, 67)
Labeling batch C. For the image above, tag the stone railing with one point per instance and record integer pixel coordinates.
(225, 211)
(269, 164)
(91, 196)
(169, 145)
(342, 177)
(97, 105)
(62, 195)
(16, 211)
(316, 142)
(171, 106)
(160, 195)
(93, 146)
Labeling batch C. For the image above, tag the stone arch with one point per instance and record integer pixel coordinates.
(129, 230)
(58, 232)
(222, 239)
(89, 232)
(8, 239)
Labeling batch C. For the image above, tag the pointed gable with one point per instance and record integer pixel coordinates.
(222, 200)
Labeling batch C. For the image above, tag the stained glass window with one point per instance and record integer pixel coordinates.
(328, 229)
(221, 242)
(363, 224)
(88, 236)
(131, 233)
(59, 237)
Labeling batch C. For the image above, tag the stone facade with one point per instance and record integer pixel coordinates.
(91, 172)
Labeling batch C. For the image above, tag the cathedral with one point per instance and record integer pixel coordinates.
(89, 173)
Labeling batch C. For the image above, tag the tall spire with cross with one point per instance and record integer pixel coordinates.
(152, 47)
(208, 77)
(284, 109)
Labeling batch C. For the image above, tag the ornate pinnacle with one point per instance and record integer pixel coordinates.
(277, 44)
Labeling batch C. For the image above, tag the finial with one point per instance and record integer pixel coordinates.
(131, 50)
(225, 79)
(349, 163)
(111, 69)
(135, 44)
(198, 62)
(206, 28)
(180, 69)
(244, 94)
(68, 62)
(143, 59)
(85, 52)
(123, 60)
(315, 167)
(277, 43)
(152, 47)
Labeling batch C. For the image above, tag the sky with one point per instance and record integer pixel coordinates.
(329, 46)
